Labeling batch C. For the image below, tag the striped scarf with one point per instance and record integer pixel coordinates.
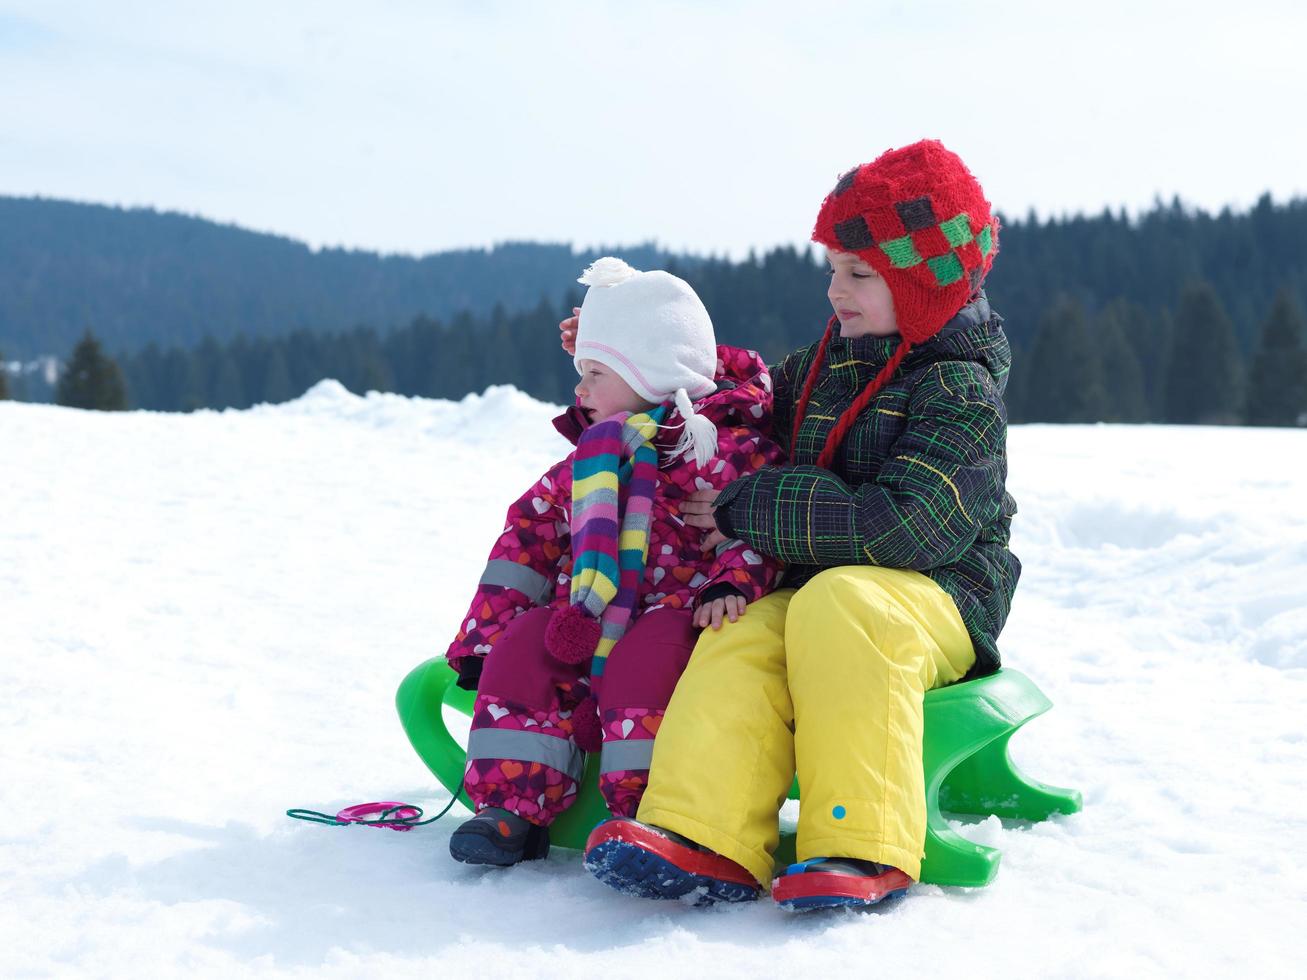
(614, 476)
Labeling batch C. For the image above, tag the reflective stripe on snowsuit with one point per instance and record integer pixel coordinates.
(521, 751)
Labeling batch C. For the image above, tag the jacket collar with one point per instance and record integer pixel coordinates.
(854, 361)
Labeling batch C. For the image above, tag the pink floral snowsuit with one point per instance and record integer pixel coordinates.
(523, 752)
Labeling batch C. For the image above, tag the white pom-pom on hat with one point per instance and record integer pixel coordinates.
(608, 271)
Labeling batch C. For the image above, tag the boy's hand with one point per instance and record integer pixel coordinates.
(697, 509)
(711, 613)
(567, 331)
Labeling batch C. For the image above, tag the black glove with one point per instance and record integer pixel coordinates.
(718, 591)
(469, 672)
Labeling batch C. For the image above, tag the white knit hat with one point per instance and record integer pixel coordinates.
(653, 330)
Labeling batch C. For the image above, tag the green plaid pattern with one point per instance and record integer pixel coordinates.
(918, 482)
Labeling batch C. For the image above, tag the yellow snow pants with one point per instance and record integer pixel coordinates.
(828, 681)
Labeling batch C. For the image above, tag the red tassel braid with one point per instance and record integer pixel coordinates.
(813, 371)
(841, 429)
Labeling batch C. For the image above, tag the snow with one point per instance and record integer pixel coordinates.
(203, 619)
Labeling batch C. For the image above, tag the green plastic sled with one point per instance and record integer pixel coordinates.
(968, 769)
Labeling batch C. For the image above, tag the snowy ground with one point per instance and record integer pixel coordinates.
(203, 619)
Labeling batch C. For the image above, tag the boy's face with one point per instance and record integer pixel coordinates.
(603, 393)
(860, 297)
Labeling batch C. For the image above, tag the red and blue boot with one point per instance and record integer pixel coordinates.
(647, 861)
(825, 883)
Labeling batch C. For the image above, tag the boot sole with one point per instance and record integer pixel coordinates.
(640, 862)
(473, 848)
(810, 890)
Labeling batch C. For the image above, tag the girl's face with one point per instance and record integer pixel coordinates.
(602, 392)
(859, 297)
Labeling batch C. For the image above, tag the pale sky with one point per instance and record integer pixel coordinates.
(410, 126)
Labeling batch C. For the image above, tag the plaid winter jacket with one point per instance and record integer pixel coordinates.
(917, 483)
(531, 562)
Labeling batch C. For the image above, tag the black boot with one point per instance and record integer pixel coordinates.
(496, 836)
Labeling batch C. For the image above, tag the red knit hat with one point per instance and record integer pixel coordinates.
(920, 219)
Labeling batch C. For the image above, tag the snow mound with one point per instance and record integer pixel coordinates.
(502, 410)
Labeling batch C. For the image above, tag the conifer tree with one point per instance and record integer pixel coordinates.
(276, 379)
(183, 381)
(92, 379)
(1148, 332)
(208, 373)
(507, 366)
(4, 378)
(1063, 376)
(371, 371)
(1277, 383)
(1123, 375)
(227, 389)
(1204, 372)
(1157, 363)
(305, 359)
(457, 371)
(142, 372)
